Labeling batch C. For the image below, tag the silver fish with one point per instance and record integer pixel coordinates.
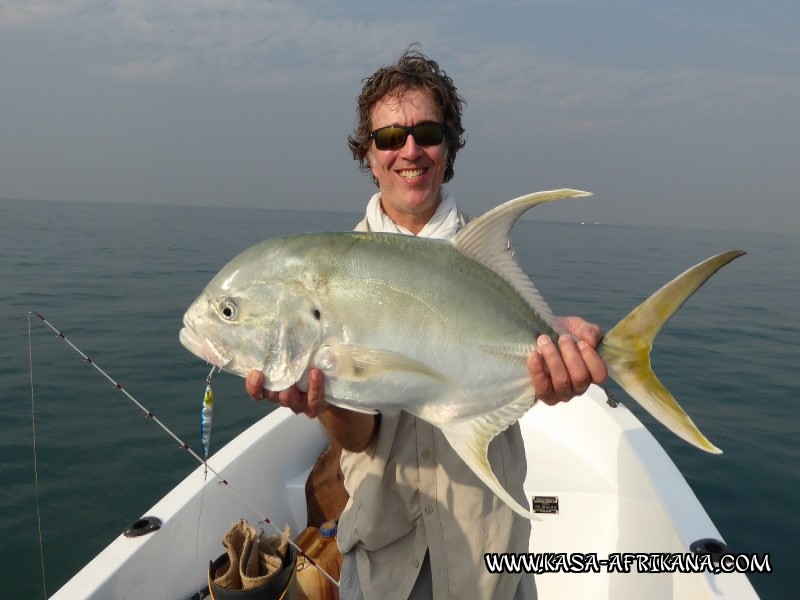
(439, 328)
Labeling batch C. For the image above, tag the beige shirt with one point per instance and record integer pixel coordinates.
(411, 493)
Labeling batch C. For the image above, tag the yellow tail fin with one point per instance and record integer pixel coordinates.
(626, 349)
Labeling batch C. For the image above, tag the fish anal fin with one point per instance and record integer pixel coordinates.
(470, 438)
(355, 362)
(350, 406)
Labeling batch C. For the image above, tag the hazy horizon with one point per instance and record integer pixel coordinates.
(676, 115)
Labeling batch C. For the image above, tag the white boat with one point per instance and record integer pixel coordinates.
(615, 488)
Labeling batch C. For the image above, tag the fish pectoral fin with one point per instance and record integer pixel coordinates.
(360, 363)
(470, 439)
(393, 371)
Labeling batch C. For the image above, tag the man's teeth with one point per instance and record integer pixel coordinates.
(409, 173)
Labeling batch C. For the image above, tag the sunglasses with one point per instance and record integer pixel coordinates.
(394, 137)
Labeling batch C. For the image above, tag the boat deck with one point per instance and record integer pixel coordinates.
(617, 492)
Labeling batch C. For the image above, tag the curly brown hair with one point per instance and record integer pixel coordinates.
(413, 70)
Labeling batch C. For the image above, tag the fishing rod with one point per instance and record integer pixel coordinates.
(205, 433)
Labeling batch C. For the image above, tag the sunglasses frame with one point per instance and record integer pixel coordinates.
(410, 130)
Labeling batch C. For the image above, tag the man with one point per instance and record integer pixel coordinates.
(419, 521)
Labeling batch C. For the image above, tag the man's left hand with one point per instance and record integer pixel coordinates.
(564, 369)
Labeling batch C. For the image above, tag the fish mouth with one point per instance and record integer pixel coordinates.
(204, 348)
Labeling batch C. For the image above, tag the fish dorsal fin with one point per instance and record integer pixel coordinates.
(470, 439)
(485, 239)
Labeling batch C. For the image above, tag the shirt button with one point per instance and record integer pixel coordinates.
(415, 563)
(426, 453)
(429, 509)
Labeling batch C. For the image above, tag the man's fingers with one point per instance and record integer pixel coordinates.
(539, 376)
(293, 399)
(578, 374)
(316, 394)
(311, 403)
(588, 332)
(255, 385)
(559, 387)
(562, 371)
(597, 368)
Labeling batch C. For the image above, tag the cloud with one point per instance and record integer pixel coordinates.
(157, 69)
(245, 42)
(284, 44)
(24, 13)
(549, 91)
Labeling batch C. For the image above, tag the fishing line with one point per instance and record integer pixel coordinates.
(182, 445)
(36, 461)
(206, 417)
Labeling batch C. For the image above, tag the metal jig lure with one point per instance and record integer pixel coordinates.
(206, 418)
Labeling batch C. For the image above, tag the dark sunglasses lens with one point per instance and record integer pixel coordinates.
(389, 138)
(425, 134)
(428, 134)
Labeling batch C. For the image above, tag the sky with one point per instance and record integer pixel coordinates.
(682, 113)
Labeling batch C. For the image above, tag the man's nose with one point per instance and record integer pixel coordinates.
(410, 148)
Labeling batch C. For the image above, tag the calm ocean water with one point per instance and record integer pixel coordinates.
(117, 279)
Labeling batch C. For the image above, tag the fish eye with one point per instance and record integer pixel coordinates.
(228, 310)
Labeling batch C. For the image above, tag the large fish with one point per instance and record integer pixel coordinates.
(439, 328)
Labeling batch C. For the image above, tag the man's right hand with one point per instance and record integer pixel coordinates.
(353, 431)
(311, 403)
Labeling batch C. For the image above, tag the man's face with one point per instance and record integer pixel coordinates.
(410, 178)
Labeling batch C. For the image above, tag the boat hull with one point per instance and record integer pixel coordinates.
(617, 491)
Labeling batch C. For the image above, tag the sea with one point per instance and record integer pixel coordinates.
(117, 278)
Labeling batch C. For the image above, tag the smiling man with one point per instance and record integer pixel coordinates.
(410, 176)
(419, 521)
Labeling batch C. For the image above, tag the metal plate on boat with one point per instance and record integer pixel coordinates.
(545, 504)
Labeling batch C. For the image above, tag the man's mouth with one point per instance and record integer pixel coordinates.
(411, 173)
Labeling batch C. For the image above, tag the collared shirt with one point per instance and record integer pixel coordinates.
(410, 493)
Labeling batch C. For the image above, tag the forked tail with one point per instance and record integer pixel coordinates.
(626, 349)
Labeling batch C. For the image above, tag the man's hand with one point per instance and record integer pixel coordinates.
(353, 431)
(311, 403)
(561, 371)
